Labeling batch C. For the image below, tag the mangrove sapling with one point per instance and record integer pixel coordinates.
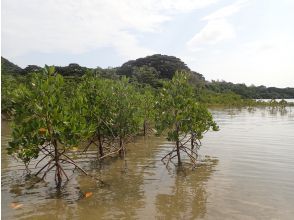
(147, 108)
(47, 122)
(113, 108)
(179, 115)
(283, 103)
(203, 122)
(99, 105)
(126, 114)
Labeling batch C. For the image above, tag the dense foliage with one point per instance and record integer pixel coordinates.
(113, 108)
(150, 69)
(46, 121)
(72, 69)
(165, 65)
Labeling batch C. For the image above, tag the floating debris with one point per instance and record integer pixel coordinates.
(88, 194)
(15, 205)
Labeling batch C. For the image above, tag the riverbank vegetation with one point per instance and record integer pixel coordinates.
(57, 110)
(51, 118)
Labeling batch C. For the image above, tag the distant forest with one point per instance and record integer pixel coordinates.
(152, 70)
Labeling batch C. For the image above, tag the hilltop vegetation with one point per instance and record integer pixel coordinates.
(153, 70)
(8, 67)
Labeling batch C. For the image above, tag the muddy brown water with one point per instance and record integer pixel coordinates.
(245, 171)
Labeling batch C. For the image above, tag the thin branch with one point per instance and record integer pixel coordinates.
(73, 163)
(183, 138)
(64, 172)
(49, 152)
(87, 147)
(110, 153)
(108, 128)
(46, 155)
(193, 159)
(47, 171)
(185, 142)
(173, 150)
(44, 167)
(45, 146)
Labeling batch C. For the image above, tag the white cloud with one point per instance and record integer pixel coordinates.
(218, 28)
(226, 11)
(212, 33)
(81, 25)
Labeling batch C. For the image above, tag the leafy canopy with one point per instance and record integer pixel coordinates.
(44, 114)
(178, 111)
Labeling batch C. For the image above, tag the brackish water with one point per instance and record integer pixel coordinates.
(246, 171)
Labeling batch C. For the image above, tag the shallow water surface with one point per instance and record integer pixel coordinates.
(245, 171)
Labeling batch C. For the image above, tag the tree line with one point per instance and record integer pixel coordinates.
(250, 92)
(151, 70)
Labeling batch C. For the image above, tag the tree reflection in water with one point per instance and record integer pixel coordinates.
(188, 196)
(136, 191)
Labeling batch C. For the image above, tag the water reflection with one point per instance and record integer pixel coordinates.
(188, 196)
(263, 110)
(126, 194)
(119, 199)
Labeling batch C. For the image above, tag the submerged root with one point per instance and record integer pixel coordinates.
(189, 151)
(55, 161)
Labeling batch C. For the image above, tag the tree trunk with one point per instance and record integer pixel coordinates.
(101, 153)
(145, 127)
(57, 165)
(122, 148)
(178, 147)
(178, 153)
(192, 141)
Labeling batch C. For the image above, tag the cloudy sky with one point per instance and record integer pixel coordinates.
(250, 41)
